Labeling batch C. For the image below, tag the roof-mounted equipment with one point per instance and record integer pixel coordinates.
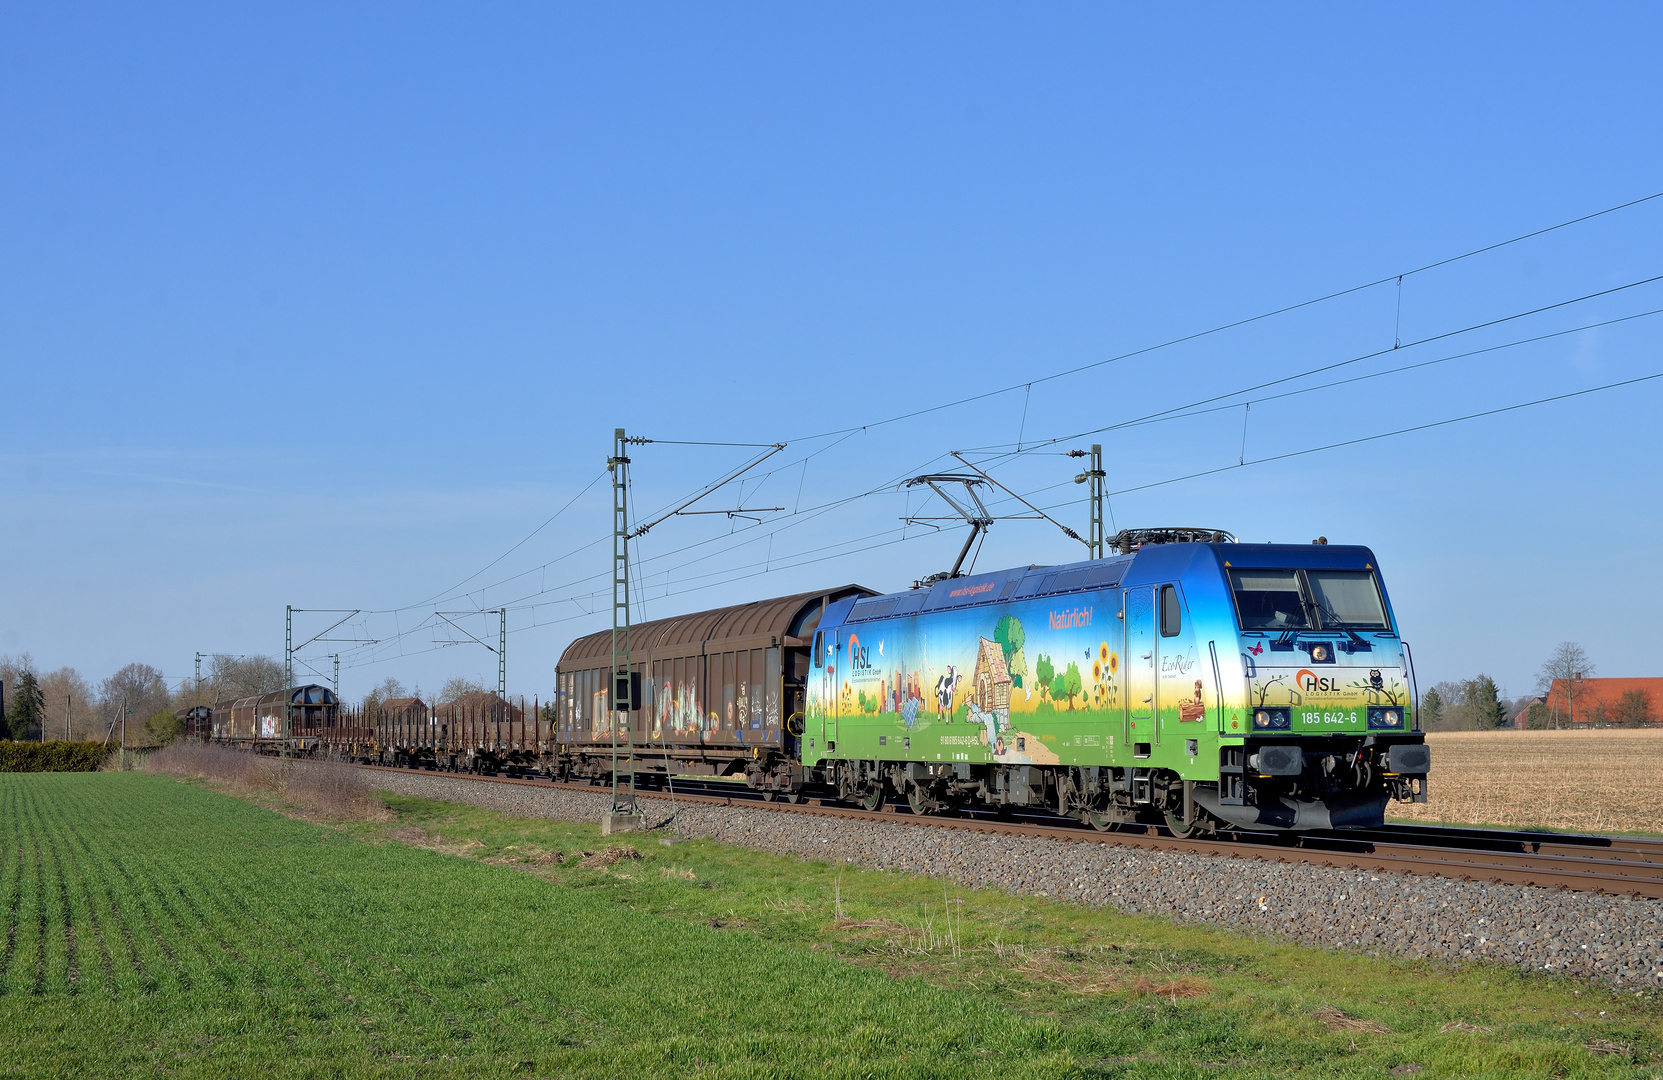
(1127, 541)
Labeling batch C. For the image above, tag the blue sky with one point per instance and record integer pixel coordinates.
(332, 305)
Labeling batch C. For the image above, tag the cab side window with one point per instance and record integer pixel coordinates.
(1172, 618)
(819, 657)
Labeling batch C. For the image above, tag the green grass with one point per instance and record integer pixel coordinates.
(157, 926)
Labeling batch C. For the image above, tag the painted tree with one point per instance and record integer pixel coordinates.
(1011, 637)
(1059, 687)
(1045, 673)
(1071, 684)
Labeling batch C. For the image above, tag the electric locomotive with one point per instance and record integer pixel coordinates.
(1205, 686)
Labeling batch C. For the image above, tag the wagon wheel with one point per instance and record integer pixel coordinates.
(794, 797)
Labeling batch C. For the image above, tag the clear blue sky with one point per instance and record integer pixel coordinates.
(330, 305)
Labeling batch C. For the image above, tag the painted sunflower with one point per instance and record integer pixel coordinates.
(1097, 670)
(1114, 663)
(1103, 652)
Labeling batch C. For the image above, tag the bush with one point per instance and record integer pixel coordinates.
(321, 787)
(55, 756)
(164, 727)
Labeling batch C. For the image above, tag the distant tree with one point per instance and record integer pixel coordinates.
(232, 677)
(1011, 637)
(458, 689)
(137, 686)
(163, 727)
(1468, 705)
(1045, 673)
(1536, 715)
(69, 704)
(28, 709)
(1633, 709)
(1568, 664)
(1483, 700)
(11, 668)
(1071, 683)
(1431, 709)
(389, 689)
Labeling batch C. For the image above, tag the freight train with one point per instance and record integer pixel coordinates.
(1191, 681)
(307, 718)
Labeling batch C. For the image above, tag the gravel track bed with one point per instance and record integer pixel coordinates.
(1617, 940)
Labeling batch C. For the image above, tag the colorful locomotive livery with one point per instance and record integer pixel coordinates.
(1210, 685)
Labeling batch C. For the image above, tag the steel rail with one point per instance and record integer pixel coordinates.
(1617, 865)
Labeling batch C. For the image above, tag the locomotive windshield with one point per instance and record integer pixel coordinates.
(1269, 600)
(1308, 600)
(1347, 599)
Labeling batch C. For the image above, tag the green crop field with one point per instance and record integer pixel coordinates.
(154, 926)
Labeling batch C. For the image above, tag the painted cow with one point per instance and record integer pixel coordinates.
(944, 688)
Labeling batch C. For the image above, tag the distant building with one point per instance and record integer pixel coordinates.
(1520, 720)
(1601, 702)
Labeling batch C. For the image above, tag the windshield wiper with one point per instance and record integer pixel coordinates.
(1328, 616)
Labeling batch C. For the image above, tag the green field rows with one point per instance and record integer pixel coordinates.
(152, 923)
(155, 926)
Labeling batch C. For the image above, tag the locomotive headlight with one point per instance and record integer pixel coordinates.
(1271, 719)
(1386, 718)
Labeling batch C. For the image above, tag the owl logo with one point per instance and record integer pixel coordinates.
(1375, 681)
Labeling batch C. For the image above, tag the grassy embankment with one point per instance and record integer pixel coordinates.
(1603, 781)
(155, 925)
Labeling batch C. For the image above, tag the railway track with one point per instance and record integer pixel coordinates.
(1610, 864)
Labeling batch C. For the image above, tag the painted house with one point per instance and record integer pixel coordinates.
(990, 683)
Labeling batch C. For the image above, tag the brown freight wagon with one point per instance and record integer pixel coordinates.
(257, 723)
(722, 692)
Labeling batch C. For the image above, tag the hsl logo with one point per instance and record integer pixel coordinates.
(858, 658)
(1310, 682)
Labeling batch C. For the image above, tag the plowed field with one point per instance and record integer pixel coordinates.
(1598, 781)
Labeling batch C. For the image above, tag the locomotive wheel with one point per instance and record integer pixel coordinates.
(920, 801)
(1178, 827)
(1102, 822)
(871, 797)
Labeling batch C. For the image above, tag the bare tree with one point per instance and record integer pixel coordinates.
(1568, 664)
(459, 688)
(1633, 709)
(138, 687)
(389, 689)
(70, 704)
(231, 677)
